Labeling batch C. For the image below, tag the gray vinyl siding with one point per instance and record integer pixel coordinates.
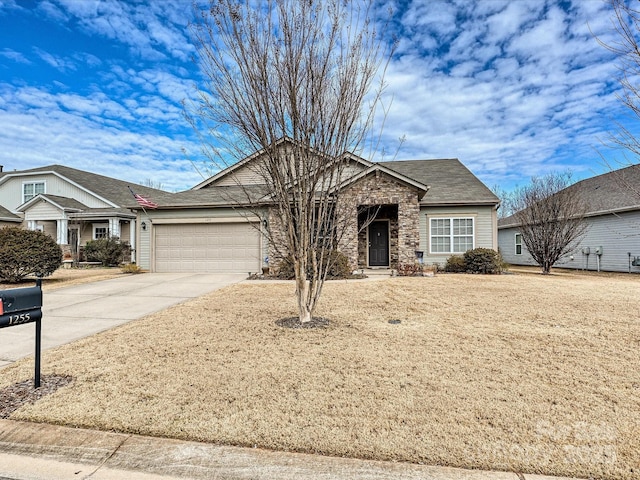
(484, 224)
(245, 175)
(11, 191)
(507, 247)
(617, 234)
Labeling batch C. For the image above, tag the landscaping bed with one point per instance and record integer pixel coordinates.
(524, 373)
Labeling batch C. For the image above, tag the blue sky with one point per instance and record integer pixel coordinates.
(511, 88)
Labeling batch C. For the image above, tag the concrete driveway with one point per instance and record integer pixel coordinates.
(79, 311)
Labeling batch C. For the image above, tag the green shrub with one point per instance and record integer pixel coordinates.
(483, 260)
(27, 252)
(108, 251)
(338, 266)
(455, 264)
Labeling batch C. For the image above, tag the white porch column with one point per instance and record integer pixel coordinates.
(132, 239)
(114, 227)
(62, 227)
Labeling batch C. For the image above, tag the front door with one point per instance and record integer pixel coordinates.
(379, 244)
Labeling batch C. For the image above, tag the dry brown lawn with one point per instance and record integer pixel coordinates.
(516, 372)
(64, 277)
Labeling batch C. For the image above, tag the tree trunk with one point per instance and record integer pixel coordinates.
(302, 294)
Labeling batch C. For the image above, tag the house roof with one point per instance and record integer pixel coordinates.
(612, 192)
(112, 190)
(213, 197)
(7, 216)
(450, 182)
(63, 203)
(278, 143)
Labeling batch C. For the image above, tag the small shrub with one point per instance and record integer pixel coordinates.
(130, 268)
(27, 252)
(455, 264)
(483, 260)
(108, 251)
(338, 266)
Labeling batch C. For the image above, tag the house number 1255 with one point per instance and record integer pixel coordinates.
(18, 319)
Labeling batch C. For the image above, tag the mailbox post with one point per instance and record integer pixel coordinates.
(24, 305)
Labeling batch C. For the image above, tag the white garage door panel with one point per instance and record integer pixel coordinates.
(207, 247)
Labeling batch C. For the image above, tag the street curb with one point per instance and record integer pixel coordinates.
(35, 451)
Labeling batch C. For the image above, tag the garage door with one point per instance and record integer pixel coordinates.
(207, 247)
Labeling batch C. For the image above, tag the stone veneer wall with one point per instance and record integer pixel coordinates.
(278, 237)
(381, 189)
(373, 190)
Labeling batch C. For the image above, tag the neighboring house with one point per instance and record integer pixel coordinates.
(612, 240)
(8, 219)
(437, 207)
(72, 206)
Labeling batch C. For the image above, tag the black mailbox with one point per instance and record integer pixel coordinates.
(20, 305)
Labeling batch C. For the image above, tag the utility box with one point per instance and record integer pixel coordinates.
(20, 305)
(586, 250)
(598, 250)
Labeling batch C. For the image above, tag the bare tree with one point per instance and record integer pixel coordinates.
(304, 71)
(149, 182)
(626, 24)
(506, 201)
(551, 216)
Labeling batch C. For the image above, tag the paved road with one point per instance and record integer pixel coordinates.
(79, 311)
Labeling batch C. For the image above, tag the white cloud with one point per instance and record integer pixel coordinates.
(17, 57)
(512, 88)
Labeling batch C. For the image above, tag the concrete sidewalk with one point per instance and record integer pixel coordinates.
(75, 312)
(31, 451)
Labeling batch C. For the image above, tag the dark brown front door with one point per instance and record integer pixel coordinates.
(379, 244)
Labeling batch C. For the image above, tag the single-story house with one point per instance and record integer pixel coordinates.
(72, 206)
(436, 207)
(612, 240)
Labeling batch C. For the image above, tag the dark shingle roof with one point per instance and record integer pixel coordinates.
(451, 182)
(112, 189)
(611, 192)
(65, 202)
(215, 196)
(6, 215)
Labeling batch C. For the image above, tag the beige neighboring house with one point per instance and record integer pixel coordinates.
(8, 219)
(72, 206)
(433, 208)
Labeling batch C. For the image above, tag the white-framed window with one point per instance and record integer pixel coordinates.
(31, 189)
(100, 230)
(518, 244)
(451, 235)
